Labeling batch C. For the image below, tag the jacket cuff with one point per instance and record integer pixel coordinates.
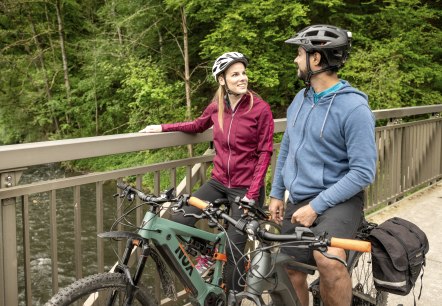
(277, 194)
(319, 205)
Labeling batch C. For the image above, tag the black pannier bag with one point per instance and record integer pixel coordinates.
(398, 255)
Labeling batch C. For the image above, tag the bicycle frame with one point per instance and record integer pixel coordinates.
(169, 238)
(267, 273)
(173, 243)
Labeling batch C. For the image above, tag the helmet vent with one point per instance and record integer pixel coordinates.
(331, 34)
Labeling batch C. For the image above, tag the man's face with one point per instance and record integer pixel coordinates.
(300, 61)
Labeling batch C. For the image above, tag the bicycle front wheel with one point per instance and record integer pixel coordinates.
(364, 291)
(100, 289)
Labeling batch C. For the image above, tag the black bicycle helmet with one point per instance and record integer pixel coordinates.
(334, 43)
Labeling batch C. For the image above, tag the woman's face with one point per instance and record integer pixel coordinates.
(236, 78)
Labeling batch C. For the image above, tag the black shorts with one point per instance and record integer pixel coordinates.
(341, 221)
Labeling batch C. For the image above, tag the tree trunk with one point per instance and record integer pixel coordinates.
(41, 60)
(63, 53)
(120, 35)
(186, 71)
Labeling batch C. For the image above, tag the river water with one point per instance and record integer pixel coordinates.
(40, 241)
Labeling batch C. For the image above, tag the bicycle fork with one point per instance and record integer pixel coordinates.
(123, 268)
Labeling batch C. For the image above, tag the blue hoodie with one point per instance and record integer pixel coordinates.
(328, 150)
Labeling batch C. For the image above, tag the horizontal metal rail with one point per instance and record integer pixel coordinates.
(409, 156)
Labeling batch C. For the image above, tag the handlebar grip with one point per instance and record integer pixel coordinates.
(351, 244)
(197, 203)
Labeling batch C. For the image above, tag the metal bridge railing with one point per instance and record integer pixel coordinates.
(409, 144)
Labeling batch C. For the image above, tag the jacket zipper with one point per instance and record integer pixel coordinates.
(301, 143)
(228, 144)
(230, 152)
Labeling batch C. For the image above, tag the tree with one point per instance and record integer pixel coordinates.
(81, 68)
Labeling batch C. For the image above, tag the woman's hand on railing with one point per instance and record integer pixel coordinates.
(152, 129)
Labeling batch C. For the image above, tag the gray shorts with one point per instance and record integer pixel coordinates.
(341, 221)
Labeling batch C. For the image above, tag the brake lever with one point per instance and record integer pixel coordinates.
(193, 215)
(252, 209)
(178, 206)
(177, 209)
(124, 194)
(329, 256)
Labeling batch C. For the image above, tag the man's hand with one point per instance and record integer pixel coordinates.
(276, 209)
(152, 129)
(305, 216)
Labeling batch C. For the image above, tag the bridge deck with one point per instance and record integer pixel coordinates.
(423, 208)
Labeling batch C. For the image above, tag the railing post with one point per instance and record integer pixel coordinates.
(8, 241)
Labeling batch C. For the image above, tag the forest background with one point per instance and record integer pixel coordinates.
(80, 68)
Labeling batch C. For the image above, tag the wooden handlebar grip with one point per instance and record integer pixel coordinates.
(197, 203)
(351, 244)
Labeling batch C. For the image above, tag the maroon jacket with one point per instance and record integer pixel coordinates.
(243, 148)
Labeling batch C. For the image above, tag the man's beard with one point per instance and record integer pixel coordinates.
(302, 75)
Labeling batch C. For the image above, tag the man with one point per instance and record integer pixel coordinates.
(327, 157)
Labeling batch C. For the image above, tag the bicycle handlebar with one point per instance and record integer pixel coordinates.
(198, 203)
(347, 244)
(351, 244)
(127, 190)
(252, 227)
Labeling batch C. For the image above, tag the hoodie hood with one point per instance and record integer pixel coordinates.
(328, 99)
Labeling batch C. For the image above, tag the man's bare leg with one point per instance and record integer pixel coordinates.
(299, 282)
(335, 283)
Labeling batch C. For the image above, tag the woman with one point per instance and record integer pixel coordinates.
(243, 138)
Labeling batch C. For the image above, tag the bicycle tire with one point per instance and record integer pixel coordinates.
(102, 284)
(364, 291)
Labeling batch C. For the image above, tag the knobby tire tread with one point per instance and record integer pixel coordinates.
(86, 286)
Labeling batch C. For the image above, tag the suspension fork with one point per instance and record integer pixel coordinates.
(145, 252)
(123, 268)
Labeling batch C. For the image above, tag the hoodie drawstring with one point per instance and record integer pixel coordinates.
(299, 110)
(326, 115)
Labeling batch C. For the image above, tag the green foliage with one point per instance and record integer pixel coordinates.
(153, 99)
(398, 59)
(248, 27)
(125, 59)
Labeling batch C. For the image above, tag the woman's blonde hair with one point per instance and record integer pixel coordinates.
(219, 98)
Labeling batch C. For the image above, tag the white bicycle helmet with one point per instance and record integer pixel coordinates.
(225, 61)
